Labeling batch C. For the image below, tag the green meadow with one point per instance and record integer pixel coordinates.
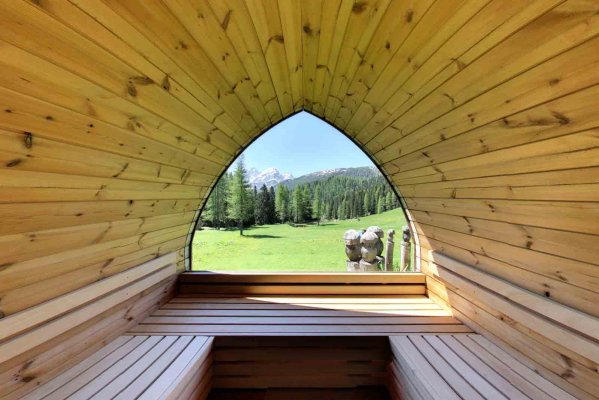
(284, 248)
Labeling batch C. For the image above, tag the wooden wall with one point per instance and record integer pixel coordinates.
(116, 118)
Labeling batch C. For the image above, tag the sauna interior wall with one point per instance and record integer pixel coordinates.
(117, 117)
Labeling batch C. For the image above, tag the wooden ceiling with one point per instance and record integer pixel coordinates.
(116, 118)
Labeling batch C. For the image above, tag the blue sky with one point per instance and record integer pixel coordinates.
(303, 144)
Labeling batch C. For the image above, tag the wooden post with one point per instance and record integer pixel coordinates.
(406, 246)
(389, 252)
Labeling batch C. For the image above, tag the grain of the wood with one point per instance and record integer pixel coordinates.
(577, 321)
(137, 386)
(117, 117)
(35, 316)
(60, 325)
(297, 278)
(178, 372)
(492, 373)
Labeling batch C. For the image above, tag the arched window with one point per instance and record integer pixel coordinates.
(290, 201)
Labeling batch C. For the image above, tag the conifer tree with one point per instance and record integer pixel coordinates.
(297, 205)
(239, 207)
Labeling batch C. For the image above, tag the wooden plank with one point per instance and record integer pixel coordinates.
(20, 247)
(471, 375)
(34, 368)
(242, 319)
(70, 374)
(419, 369)
(60, 325)
(119, 368)
(502, 375)
(300, 278)
(31, 217)
(437, 311)
(33, 317)
(124, 378)
(577, 321)
(91, 373)
(315, 330)
(177, 374)
(527, 373)
(74, 276)
(526, 346)
(301, 289)
(149, 375)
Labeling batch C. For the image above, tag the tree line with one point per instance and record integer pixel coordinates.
(233, 202)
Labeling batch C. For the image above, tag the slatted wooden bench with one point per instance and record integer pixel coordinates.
(137, 367)
(462, 366)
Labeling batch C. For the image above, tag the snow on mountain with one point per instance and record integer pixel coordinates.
(269, 177)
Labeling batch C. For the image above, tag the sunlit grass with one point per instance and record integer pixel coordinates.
(282, 247)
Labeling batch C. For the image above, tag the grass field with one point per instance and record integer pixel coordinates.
(317, 248)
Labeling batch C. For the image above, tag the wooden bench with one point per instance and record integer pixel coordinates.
(462, 366)
(137, 367)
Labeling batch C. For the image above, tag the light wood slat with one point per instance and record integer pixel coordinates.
(486, 28)
(512, 385)
(17, 248)
(174, 75)
(72, 373)
(420, 370)
(270, 34)
(167, 366)
(242, 319)
(303, 289)
(417, 89)
(306, 299)
(237, 25)
(568, 216)
(547, 284)
(290, 14)
(300, 313)
(557, 336)
(461, 386)
(570, 245)
(148, 376)
(503, 375)
(105, 109)
(317, 330)
(177, 374)
(199, 385)
(491, 377)
(200, 23)
(525, 372)
(117, 117)
(171, 37)
(467, 85)
(58, 326)
(122, 255)
(53, 357)
(429, 33)
(74, 159)
(300, 278)
(542, 356)
(124, 378)
(532, 124)
(363, 21)
(334, 23)
(118, 369)
(574, 320)
(103, 365)
(477, 382)
(33, 317)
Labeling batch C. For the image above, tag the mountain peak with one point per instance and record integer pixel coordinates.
(269, 177)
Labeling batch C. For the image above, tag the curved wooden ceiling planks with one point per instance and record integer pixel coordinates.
(118, 116)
